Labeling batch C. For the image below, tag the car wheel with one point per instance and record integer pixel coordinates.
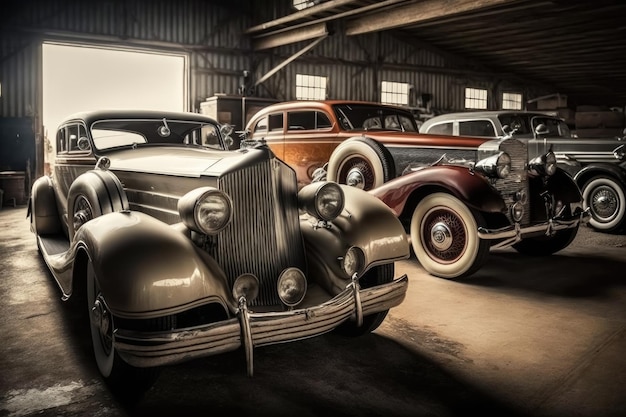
(605, 199)
(444, 237)
(378, 275)
(91, 195)
(362, 163)
(123, 379)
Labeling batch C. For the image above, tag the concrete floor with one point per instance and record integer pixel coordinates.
(523, 337)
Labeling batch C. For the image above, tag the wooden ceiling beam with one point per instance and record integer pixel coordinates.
(417, 12)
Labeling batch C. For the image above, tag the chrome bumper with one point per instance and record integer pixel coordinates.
(251, 329)
(514, 233)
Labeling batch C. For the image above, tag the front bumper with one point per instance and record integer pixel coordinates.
(251, 329)
(512, 234)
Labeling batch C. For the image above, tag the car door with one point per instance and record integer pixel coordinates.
(309, 140)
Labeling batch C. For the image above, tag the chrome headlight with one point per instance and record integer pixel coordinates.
(353, 261)
(291, 286)
(495, 166)
(322, 200)
(206, 210)
(543, 165)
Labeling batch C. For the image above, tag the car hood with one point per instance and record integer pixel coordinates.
(188, 162)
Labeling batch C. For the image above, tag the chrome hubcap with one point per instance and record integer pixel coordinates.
(604, 203)
(355, 178)
(441, 236)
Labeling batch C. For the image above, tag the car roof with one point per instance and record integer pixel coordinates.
(318, 104)
(91, 116)
(485, 114)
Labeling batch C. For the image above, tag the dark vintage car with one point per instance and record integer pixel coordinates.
(457, 197)
(598, 165)
(179, 248)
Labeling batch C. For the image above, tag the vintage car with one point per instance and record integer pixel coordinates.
(457, 197)
(179, 248)
(598, 165)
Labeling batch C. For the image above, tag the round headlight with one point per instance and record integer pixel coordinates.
(291, 286)
(503, 165)
(329, 201)
(246, 285)
(206, 210)
(495, 166)
(353, 261)
(543, 164)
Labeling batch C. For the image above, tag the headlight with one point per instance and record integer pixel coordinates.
(322, 200)
(206, 210)
(291, 286)
(353, 261)
(495, 166)
(543, 165)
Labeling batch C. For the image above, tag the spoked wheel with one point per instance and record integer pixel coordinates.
(125, 380)
(444, 237)
(607, 203)
(378, 275)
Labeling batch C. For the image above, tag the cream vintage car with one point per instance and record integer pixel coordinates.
(180, 248)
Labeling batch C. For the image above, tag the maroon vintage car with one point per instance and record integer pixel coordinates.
(456, 196)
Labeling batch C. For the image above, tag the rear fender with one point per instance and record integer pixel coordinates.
(471, 188)
(146, 268)
(365, 222)
(44, 215)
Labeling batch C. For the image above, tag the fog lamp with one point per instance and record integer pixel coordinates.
(354, 261)
(521, 196)
(517, 211)
(291, 286)
(247, 286)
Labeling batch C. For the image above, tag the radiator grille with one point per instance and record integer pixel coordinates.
(517, 179)
(264, 236)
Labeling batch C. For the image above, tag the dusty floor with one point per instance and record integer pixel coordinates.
(523, 337)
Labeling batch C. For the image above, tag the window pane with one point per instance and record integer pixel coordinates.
(512, 101)
(394, 93)
(476, 128)
(310, 87)
(475, 98)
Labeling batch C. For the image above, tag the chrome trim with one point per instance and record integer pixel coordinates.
(164, 348)
(515, 233)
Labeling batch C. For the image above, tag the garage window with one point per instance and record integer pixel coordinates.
(310, 87)
(394, 93)
(475, 98)
(511, 101)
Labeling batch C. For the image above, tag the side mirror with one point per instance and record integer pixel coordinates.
(541, 130)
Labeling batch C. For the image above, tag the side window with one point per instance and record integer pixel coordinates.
(441, 129)
(261, 126)
(72, 135)
(307, 120)
(276, 122)
(61, 140)
(476, 128)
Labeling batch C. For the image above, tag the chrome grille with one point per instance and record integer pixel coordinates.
(517, 179)
(264, 236)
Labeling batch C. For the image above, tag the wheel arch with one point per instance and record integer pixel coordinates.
(603, 170)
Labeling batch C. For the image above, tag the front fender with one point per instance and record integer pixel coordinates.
(365, 222)
(146, 268)
(561, 186)
(600, 169)
(471, 188)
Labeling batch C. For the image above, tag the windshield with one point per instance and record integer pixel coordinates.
(525, 125)
(109, 134)
(368, 117)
